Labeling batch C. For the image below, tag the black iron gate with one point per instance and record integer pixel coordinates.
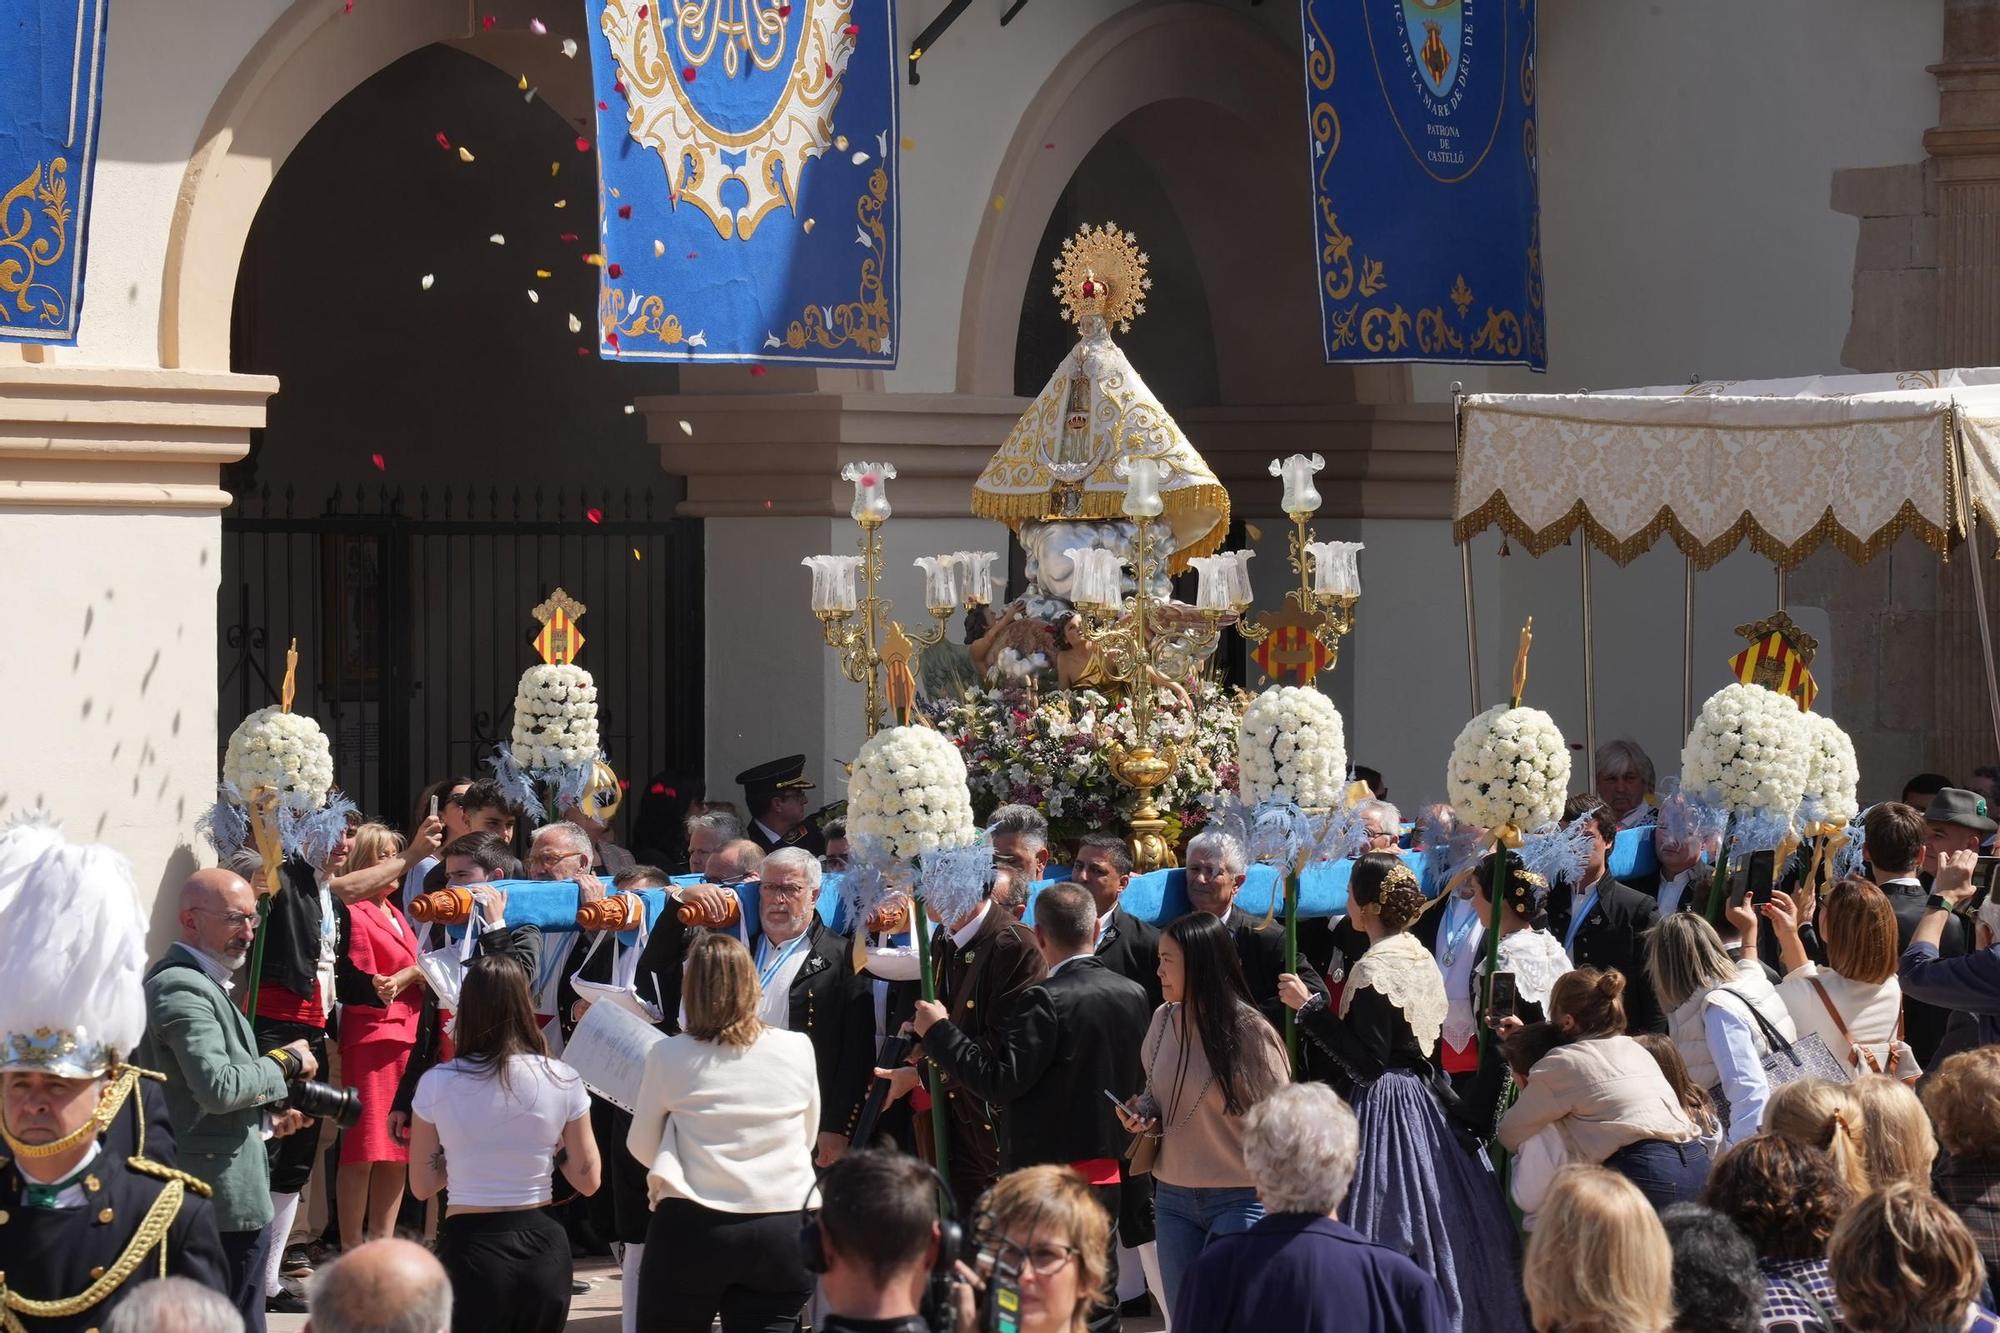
(413, 623)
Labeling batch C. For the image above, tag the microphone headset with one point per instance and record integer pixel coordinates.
(951, 1236)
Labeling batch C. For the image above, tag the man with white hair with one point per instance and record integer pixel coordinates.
(1301, 1267)
(174, 1305)
(385, 1286)
(1215, 871)
(1625, 781)
(1382, 823)
(707, 834)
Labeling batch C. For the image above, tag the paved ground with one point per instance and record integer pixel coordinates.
(597, 1310)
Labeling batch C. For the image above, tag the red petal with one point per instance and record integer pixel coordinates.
(615, 271)
(569, 238)
(687, 73)
(582, 144)
(486, 24)
(642, 13)
(784, 11)
(623, 785)
(611, 338)
(624, 210)
(659, 789)
(583, 351)
(693, 254)
(852, 30)
(758, 371)
(829, 69)
(595, 515)
(443, 142)
(381, 464)
(603, 106)
(618, 86)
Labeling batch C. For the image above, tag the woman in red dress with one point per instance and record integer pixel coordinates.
(375, 1042)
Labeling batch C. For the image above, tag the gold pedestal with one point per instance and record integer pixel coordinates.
(1143, 770)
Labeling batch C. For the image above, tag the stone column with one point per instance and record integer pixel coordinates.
(110, 538)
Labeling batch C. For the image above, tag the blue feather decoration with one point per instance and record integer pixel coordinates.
(1556, 853)
(952, 880)
(867, 881)
(1449, 849)
(1759, 831)
(1847, 862)
(226, 824)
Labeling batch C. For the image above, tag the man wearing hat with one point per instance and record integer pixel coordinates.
(87, 1209)
(1956, 821)
(775, 794)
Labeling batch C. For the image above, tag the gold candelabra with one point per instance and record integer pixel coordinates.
(876, 651)
(1322, 606)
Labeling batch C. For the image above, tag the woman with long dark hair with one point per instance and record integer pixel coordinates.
(490, 1124)
(1417, 1185)
(1209, 1057)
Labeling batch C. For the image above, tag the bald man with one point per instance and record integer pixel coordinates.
(220, 1089)
(385, 1286)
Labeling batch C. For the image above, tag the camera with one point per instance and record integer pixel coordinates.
(322, 1101)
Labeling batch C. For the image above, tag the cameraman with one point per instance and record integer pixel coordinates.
(878, 1241)
(220, 1090)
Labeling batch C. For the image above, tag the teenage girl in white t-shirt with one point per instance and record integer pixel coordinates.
(489, 1125)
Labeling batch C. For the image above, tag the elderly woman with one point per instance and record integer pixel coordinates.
(1301, 1267)
(1963, 1098)
(1903, 1262)
(1721, 1013)
(1625, 782)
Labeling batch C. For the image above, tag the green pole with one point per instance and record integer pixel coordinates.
(920, 927)
(1502, 878)
(1292, 966)
(1718, 888)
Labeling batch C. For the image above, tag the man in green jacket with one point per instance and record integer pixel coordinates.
(220, 1089)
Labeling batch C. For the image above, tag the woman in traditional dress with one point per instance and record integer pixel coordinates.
(1529, 954)
(1420, 1188)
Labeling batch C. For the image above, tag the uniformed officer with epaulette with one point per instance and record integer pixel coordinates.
(775, 794)
(90, 1204)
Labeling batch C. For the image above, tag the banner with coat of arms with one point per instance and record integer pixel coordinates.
(51, 74)
(1421, 115)
(747, 157)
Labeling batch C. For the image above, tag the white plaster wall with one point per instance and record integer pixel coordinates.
(113, 645)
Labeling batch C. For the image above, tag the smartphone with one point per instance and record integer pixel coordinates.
(1116, 1100)
(1759, 876)
(1501, 1000)
(434, 806)
(1982, 876)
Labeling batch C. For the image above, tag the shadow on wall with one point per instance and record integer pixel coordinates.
(164, 927)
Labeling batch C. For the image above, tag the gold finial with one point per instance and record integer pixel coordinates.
(1521, 662)
(290, 689)
(560, 639)
(1102, 272)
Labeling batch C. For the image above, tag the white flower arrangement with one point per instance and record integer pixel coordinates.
(1509, 766)
(286, 752)
(555, 718)
(909, 792)
(1833, 778)
(1291, 747)
(1750, 752)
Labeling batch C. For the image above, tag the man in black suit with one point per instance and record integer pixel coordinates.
(1125, 944)
(1214, 875)
(1603, 923)
(1071, 1037)
(775, 795)
(1895, 838)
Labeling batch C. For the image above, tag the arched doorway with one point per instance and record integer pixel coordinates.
(445, 447)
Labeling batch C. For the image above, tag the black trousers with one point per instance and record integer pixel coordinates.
(510, 1272)
(246, 1253)
(292, 1156)
(700, 1262)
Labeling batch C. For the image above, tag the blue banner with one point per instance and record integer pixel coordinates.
(747, 172)
(1421, 115)
(51, 68)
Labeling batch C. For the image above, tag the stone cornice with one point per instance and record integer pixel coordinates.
(780, 454)
(96, 438)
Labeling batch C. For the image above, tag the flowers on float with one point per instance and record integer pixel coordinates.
(1750, 751)
(1509, 766)
(1832, 775)
(1291, 748)
(909, 791)
(555, 718)
(286, 752)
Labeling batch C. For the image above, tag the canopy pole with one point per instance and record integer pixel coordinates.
(1687, 646)
(1465, 560)
(1970, 520)
(1781, 587)
(1589, 668)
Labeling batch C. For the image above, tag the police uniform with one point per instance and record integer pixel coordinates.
(763, 782)
(71, 1249)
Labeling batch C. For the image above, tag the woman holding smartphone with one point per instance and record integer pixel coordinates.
(1417, 1183)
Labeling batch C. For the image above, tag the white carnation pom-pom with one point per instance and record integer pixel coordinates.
(1509, 766)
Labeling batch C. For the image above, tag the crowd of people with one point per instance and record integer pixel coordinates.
(1623, 1114)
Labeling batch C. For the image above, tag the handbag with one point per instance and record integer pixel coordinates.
(1902, 1060)
(1144, 1149)
(1786, 1061)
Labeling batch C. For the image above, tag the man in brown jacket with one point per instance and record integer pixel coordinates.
(981, 962)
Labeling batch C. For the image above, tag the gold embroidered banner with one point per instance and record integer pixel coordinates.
(1786, 465)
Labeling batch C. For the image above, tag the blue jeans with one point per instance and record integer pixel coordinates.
(1186, 1218)
(1666, 1173)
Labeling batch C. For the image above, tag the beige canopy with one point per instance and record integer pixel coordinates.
(1855, 460)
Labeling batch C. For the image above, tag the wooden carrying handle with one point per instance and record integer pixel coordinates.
(691, 914)
(615, 911)
(892, 918)
(450, 905)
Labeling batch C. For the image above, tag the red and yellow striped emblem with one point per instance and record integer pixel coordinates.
(559, 639)
(1771, 661)
(1290, 648)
